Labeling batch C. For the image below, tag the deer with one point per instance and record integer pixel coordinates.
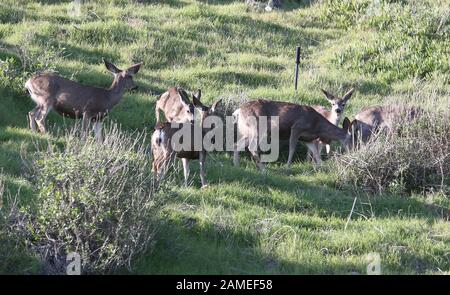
(175, 105)
(296, 122)
(74, 100)
(334, 115)
(375, 119)
(163, 150)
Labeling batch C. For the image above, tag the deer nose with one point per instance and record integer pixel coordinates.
(338, 111)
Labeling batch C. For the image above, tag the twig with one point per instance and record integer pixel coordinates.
(350, 215)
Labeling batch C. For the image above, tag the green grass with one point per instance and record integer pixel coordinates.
(291, 221)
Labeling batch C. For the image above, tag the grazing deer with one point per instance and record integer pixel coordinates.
(381, 118)
(163, 150)
(69, 98)
(176, 106)
(296, 122)
(334, 115)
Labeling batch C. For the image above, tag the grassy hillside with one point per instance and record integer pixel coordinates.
(292, 221)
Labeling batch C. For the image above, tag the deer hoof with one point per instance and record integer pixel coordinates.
(204, 186)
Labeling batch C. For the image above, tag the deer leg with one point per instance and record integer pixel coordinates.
(327, 149)
(257, 159)
(312, 146)
(236, 157)
(98, 131)
(202, 158)
(157, 114)
(293, 139)
(32, 117)
(310, 156)
(186, 170)
(320, 147)
(40, 118)
(85, 125)
(241, 144)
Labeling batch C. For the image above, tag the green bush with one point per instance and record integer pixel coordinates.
(97, 200)
(13, 256)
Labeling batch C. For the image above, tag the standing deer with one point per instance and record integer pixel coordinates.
(334, 115)
(69, 98)
(381, 118)
(296, 122)
(163, 150)
(176, 106)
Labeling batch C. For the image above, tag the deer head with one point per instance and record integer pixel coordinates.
(188, 111)
(205, 111)
(123, 76)
(338, 104)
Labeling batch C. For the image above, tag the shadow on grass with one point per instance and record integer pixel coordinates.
(193, 244)
(188, 247)
(89, 56)
(290, 190)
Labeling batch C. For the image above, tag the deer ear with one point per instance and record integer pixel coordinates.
(197, 103)
(198, 95)
(183, 100)
(134, 69)
(348, 94)
(214, 106)
(328, 95)
(346, 124)
(111, 67)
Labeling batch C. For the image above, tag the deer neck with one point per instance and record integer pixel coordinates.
(334, 118)
(116, 90)
(331, 132)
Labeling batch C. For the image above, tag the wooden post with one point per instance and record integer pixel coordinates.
(297, 64)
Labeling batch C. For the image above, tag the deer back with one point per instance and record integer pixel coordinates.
(305, 118)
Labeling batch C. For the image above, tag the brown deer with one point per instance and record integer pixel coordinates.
(382, 118)
(334, 115)
(164, 149)
(296, 122)
(176, 106)
(69, 98)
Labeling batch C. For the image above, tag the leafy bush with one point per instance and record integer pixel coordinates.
(409, 157)
(97, 200)
(19, 64)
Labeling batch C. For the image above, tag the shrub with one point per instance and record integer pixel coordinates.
(409, 157)
(97, 200)
(13, 255)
